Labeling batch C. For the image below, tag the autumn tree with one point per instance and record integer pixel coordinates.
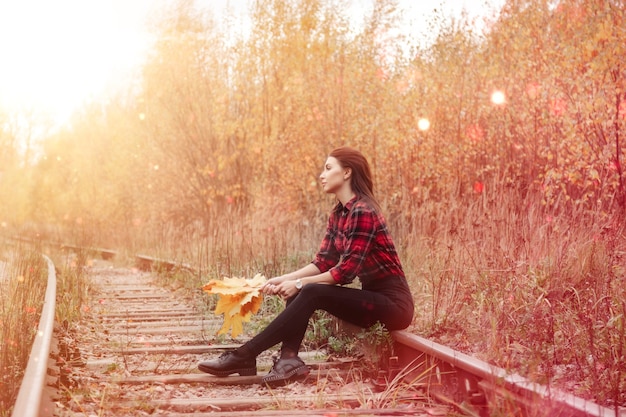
(190, 120)
(439, 86)
(561, 69)
(20, 131)
(319, 84)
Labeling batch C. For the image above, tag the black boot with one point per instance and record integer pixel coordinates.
(229, 363)
(286, 370)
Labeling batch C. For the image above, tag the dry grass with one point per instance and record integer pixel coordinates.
(504, 279)
(21, 299)
(538, 293)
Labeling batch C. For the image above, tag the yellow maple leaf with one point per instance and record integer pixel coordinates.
(235, 325)
(239, 299)
(252, 307)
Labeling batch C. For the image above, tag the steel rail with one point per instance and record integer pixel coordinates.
(29, 397)
(461, 379)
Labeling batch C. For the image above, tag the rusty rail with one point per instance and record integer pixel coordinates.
(478, 387)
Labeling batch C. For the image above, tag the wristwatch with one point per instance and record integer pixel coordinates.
(298, 284)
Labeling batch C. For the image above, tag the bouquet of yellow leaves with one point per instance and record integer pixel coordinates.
(239, 299)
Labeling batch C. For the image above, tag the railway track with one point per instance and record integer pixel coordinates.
(137, 351)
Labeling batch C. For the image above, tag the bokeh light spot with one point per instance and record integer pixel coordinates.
(423, 124)
(498, 97)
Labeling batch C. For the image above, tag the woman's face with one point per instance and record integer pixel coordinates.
(333, 176)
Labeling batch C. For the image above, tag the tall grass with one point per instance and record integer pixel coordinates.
(524, 287)
(240, 242)
(73, 286)
(499, 276)
(22, 292)
(495, 274)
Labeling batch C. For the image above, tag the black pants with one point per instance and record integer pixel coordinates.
(360, 307)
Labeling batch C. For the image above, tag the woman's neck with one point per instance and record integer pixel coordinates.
(344, 195)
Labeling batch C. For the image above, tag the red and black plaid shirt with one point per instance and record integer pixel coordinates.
(357, 243)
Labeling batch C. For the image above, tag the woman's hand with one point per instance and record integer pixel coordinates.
(287, 289)
(271, 286)
(280, 286)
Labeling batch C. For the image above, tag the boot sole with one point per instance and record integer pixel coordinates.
(241, 371)
(300, 372)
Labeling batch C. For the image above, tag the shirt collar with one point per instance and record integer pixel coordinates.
(341, 209)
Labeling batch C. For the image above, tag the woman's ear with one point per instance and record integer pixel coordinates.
(347, 173)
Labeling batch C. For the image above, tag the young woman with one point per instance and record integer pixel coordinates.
(357, 243)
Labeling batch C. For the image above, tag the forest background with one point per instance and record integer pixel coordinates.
(497, 159)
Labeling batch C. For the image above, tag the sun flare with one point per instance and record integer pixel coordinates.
(58, 55)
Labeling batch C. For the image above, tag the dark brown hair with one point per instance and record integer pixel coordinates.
(361, 178)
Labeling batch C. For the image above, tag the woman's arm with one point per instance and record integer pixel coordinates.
(287, 285)
(306, 271)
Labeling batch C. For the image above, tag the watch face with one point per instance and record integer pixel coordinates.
(298, 284)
